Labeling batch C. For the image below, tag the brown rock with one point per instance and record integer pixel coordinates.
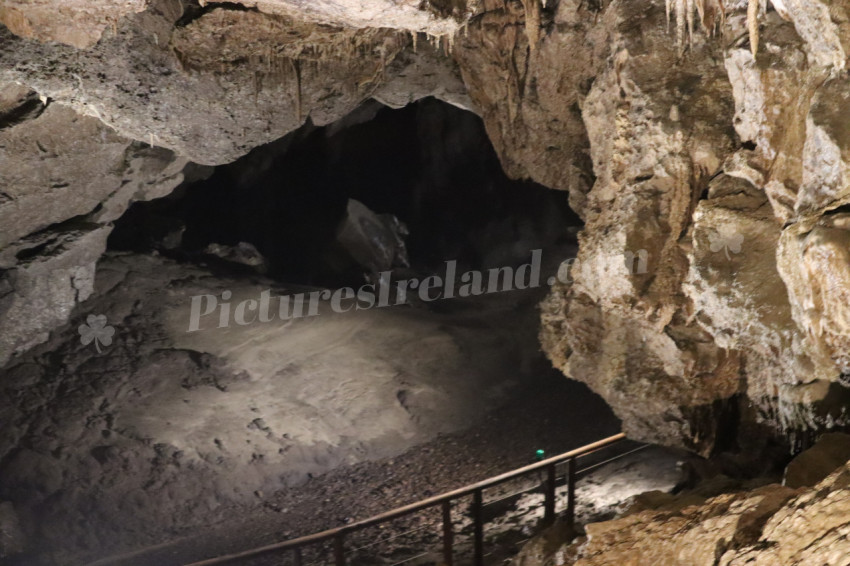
(830, 452)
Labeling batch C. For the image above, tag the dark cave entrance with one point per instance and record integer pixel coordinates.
(429, 165)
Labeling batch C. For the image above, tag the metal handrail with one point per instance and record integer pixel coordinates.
(337, 535)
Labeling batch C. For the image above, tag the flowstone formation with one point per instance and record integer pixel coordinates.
(728, 170)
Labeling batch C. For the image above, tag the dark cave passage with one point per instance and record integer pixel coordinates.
(429, 165)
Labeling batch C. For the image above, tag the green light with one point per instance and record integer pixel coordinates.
(540, 454)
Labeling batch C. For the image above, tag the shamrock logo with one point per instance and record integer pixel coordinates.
(95, 330)
(726, 238)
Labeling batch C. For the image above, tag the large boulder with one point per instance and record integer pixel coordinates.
(810, 467)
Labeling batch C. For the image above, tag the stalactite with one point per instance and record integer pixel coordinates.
(297, 71)
(711, 13)
(680, 25)
(753, 25)
(532, 22)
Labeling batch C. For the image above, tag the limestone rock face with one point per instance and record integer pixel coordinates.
(38, 294)
(767, 525)
(437, 17)
(654, 143)
(79, 23)
(235, 79)
(63, 178)
(770, 525)
(138, 81)
(830, 452)
(528, 86)
(61, 165)
(728, 172)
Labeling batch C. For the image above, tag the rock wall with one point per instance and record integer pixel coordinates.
(64, 178)
(727, 173)
(800, 522)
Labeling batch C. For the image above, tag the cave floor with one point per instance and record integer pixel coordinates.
(554, 414)
(226, 439)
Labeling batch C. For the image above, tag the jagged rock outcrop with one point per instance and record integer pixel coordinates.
(736, 225)
(236, 79)
(63, 178)
(767, 525)
(46, 283)
(81, 23)
(622, 323)
(528, 84)
(60, 165)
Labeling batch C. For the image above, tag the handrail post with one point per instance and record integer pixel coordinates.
(549, 501)
(299, 559)
(448, 534)
(339, 549)
(478, 522)
(571, 492)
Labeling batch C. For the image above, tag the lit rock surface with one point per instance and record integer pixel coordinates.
(78, 164)
(237, 79)
(165, 429)
(82, 23)
(437, 17)
(39, 292)
(741, 306)
(63, 178)
(767, 525)
(622, 323)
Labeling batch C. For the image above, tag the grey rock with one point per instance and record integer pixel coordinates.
(55, 271)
